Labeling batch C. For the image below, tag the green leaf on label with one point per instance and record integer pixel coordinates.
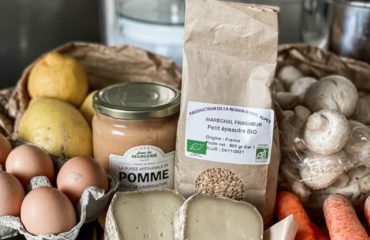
(195, 146)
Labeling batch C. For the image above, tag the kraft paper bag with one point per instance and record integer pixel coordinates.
(227, 140)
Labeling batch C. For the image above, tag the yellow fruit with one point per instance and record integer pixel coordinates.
(87, 108)
(58, 76)
(56, 126)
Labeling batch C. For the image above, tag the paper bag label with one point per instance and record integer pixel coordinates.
(143, 167)
(229, 134)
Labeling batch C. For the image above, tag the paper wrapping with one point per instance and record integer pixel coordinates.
(104, 66)
(286, 229)
(229, 58)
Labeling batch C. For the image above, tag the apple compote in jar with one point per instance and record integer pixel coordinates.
(134, 133)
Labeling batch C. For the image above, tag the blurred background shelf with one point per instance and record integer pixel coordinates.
(30, 28)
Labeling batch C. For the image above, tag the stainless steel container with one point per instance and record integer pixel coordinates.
(315, 22)
(289, 18)
(349, 33)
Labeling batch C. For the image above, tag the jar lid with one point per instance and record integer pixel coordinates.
(137, 100)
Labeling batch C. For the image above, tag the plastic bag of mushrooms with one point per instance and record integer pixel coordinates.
(324, 106)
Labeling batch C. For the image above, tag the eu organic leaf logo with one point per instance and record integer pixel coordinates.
(195, 146)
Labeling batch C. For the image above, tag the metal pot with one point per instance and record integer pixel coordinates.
(349, 34)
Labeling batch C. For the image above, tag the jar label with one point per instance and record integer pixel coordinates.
(229, 134)
(143, 167)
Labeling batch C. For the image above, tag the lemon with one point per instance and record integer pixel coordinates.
(87, 108)
(56, 126)
(58, 76)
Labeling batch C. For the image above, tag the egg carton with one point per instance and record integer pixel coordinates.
(92, 202)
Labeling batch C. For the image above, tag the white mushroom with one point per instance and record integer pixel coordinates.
(362, 112)
(305, 68)
(358, 144)
(342, 181)
(360, 177)
(333, 92)
(286, 100)
(277, 86)
(359, 173)
(288, 74)
(292, 128)
(362, 93)
(355, 185)
(288, 113)
(326, 132)
(321, 171)
(291, 174)
(300, 86)
(357, 188)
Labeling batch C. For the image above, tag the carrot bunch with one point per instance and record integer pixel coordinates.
(341, 219)
(288, 203)
(367, 210)
(340, 216)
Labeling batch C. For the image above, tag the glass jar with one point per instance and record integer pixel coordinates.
(315, 22)
(132, 21)
(134, 133)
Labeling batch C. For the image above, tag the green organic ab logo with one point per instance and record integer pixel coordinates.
(262, 154)
(198, 147)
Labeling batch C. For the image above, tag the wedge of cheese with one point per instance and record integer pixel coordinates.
(204, 217)
(142, 215)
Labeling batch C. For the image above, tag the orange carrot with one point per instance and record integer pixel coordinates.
(341, 219)
(367, 210)
(288, 203)
(320, 235)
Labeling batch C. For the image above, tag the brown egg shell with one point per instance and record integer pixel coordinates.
(27, 161)
(79, 173)
(46, 210)
(11, 195)
(93, 201)
(5, 149)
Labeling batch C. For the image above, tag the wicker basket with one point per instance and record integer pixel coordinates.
(316, 62)
(104, 66)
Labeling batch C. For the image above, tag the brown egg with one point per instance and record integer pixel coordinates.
(27, 161)
(46, 210)
(11, 195)
(79, 173)
(5, 149)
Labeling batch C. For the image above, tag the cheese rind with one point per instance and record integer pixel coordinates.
(142, 215)
(209, 217)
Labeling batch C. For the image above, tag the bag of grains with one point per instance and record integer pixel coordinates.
(226, 141)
